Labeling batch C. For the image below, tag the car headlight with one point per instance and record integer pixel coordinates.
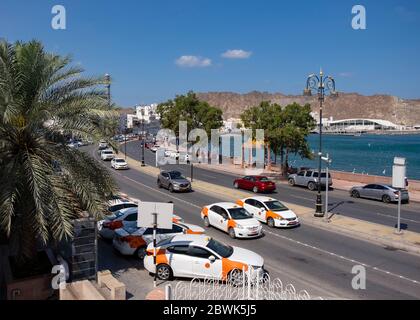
(279, 218)
(239, 226)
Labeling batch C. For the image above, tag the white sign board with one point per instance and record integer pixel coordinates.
(146, 211)
(399, 173)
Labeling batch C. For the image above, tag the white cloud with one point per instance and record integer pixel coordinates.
(237, 54)
(346, 74)
(193, 61)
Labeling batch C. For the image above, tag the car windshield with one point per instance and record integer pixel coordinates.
(120, 160)
(221, 249)
(239, 214)
(176, 175)
(107, 152)
(275, 206)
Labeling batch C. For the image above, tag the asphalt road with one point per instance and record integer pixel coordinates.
(340, 201)
(310, 258)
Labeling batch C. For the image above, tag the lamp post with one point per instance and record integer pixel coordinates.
(143, 140)
(321, 84)
(108, 88)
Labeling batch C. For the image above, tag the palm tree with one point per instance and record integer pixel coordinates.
(44, 100)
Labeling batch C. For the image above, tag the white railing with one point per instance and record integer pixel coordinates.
(246, 285)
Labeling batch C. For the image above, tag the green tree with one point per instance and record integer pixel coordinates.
(285, 128)
(43, 100)
(198, 114)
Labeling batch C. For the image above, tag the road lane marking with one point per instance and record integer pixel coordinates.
(342, 257)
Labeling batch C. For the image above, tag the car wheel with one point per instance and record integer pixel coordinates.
(270, 222)
(236, 185)
(291, 181)
(171, 188)
(311, 186)
(236, 278)
(355, 194)
(141, 253)
(386, 198)
(232, 233)
(255, 189)
(206, 222)
(164, 272)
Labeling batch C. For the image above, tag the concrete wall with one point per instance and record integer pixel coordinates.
(107, 288)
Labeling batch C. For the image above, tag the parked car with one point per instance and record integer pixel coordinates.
(119, 164)
(383, 192)
(232, 219)
(107, 155)
(118, 199)
(126, 217)
(255, 183)
(173, 181)
(154, 148)
(309, 179)
(200, 256)
(131, 240)
(123, 205)
(270, 211)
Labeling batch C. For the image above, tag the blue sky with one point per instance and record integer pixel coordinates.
(139, 44)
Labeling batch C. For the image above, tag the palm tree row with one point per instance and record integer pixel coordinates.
(44, 100)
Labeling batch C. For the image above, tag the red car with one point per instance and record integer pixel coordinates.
(255, 183)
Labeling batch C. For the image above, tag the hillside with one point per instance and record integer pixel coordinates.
(347, 105)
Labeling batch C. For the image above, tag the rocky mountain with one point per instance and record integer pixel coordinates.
(346, 105)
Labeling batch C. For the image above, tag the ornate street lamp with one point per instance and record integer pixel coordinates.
(143, 138)
(108, 88)
(321, 84)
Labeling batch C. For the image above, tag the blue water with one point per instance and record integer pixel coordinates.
(368, 154)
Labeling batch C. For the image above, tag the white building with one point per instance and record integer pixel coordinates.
(148, 113)
(231, 124)
(362, 125)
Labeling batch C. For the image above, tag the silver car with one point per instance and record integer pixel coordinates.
(173, 181)
(382, 192)
(309, 179)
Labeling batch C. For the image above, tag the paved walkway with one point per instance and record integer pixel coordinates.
(360, 229)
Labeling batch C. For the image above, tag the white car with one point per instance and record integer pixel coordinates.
(154, 148)
(107, 155)
(126, 217)
(231, 218)
(132, 240)
(270, 211)
(119, 164)
(103, 144)
(200, 256)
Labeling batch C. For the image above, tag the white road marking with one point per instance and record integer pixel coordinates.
(342, 257)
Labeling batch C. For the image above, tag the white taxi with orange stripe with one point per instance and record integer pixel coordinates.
(133, 241)
(231, 218)
(195, 256)
(270, 211)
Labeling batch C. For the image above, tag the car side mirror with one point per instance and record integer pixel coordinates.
(212, 259)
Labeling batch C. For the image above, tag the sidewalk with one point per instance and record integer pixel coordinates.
(359, 229)
(238, 171)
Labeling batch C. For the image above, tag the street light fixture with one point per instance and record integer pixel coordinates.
(108, 88)
(143, 140)
(321, 84)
